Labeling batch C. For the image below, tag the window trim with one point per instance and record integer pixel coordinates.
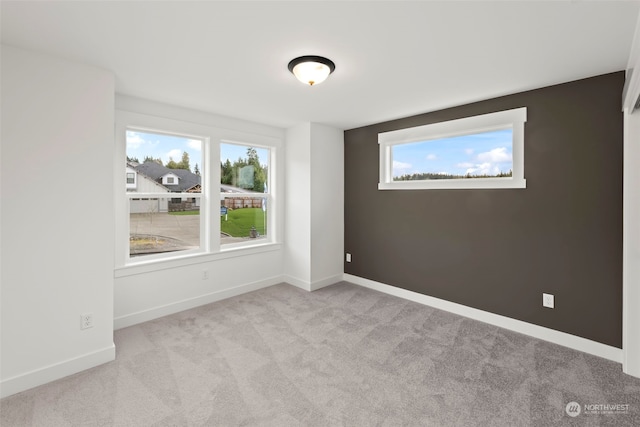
(271, 219)
(204, 241)
(514, 119)
(210, 246)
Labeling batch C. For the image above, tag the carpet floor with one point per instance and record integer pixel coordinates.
(340, 356)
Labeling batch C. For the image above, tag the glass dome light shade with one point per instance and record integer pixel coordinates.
(311, 70)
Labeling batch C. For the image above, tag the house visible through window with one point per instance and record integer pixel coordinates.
(153, 228)
(169, 212)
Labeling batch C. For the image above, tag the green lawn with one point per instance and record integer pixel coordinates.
(196, 212)
(239, 222)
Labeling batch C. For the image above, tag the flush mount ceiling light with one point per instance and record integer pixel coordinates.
(311, 70)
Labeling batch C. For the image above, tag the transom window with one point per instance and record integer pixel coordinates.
(484, 151)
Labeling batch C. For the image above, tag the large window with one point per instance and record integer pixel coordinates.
(164, 219)
(484, 151)
(187, 190)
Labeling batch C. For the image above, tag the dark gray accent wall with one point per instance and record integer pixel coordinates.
(499, 250)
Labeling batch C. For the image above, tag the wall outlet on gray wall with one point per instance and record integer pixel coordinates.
(547, 300)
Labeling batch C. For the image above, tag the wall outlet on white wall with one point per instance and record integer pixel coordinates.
(547, 300)
(205, 274)
(86, 321)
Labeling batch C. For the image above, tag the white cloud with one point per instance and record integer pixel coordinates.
(194, 144)
(134, 140)
(469, 151)
(465, 165)
(488, 163)
(400, 168)
(483, 169)
(175, 154)
(432, 157)
(497, 155)
(401, 165)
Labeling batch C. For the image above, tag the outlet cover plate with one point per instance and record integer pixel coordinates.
(548, 300)
(86, 321)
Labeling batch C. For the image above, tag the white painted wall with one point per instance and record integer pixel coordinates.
(327, 204)
(163, 291)
(57, 248)
(315, 206)
(297, 264)
(146, 292)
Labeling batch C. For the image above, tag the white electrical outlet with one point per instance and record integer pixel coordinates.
(86, 321)
(205, 274)
(547, 300)
(348, 257)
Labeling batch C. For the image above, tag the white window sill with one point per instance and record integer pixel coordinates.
(148, 266)
(455, 184)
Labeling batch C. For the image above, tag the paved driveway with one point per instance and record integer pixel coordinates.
(161, 232)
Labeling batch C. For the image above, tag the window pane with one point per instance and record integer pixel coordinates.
(244, 173)
(243, 168)
(243, 219)
(480, 155)
(160, 225)
(163, 163)
(167, 169)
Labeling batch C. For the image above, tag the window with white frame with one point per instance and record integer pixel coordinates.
(161, 221)
(167, 219)
(244, 193)
(485, 151)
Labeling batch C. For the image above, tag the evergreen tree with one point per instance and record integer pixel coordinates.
(184, 163)
(171, 164)
(151, 159)
(259, 176)
(246, 173)
(226, 172)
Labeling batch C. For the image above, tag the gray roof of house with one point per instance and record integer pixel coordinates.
(187, 179)
(155, 171)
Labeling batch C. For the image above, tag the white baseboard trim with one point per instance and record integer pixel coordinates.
(56, 371)
(298, 283)
(176, 307)
(327, 281)
(313, 286)
(540, 332)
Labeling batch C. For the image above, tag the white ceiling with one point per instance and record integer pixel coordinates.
(393, 59)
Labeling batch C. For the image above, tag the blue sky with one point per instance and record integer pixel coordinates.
(478, 154)
(142, 144)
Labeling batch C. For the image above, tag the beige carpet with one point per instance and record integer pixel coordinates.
(340, 356)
